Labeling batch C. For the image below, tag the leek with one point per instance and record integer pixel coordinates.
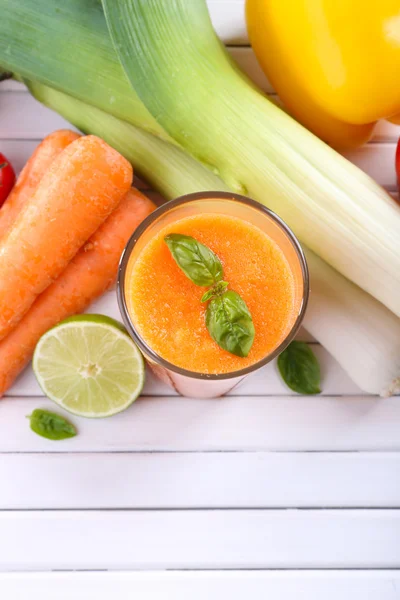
(360, 333)
(65, 44)
(163, 165)
(183, 75)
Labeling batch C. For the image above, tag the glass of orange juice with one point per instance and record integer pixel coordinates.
(163, 310)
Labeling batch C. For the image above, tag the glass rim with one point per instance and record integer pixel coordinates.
(123, 264)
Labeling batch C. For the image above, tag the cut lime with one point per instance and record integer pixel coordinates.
(89, 365)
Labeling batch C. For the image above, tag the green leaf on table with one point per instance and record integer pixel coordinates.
(198, 262)
(51, 425)
(229, 323)
(300, 369)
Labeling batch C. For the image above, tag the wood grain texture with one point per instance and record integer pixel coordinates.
(241, 423)
(198, 539)
(265, 382)
(257, 585)
(228, 18)
(200, 480)
(23, 117)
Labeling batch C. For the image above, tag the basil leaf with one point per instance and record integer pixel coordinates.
(216, 290)
(50, 425)
(208, 295)
(300, 369)
(229, 323)
(197, 261)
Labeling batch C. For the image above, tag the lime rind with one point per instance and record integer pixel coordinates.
(89, 366)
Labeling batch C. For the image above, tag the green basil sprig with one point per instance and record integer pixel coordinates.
(50, 425)
(215, 291)
(197, 261)
(229, 323)
(228, 318)
(300, 369)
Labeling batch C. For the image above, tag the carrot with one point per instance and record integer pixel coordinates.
(84, 184)
(90, 273)
(32, 173)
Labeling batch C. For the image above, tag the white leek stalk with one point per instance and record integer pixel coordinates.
(361, 333)
(358, 331)
(187, 81)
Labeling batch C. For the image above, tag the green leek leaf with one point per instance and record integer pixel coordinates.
(167, 168)
(65, 44)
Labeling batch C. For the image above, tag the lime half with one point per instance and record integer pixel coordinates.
(89, 365)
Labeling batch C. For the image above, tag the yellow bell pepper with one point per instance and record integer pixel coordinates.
(334, 63)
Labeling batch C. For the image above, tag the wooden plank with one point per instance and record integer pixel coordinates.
(378, 160)
(23, 117)
(253, 423)
(247, 61)
(199, 480)
(217, 539)
(9, 85)
(236, 585)
(386, 132)
(231, 30)
(18, 151)
(268, 382)
(265, 382)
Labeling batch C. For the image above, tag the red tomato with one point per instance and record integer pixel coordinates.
(398, 164)
(7, 178)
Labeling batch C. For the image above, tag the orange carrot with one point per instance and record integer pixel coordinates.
(90, 273)
(32, 173)
(84, 184)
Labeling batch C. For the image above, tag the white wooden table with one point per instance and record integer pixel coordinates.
(261, 494)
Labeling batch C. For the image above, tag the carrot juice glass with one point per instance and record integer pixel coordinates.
(165, 311)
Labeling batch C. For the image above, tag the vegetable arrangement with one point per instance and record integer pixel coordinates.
(222, 119)
(90, 273)
(94, 267)
(256, 148)
(365, 339)
(151, 79)
(87, 178)
(358, 331)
